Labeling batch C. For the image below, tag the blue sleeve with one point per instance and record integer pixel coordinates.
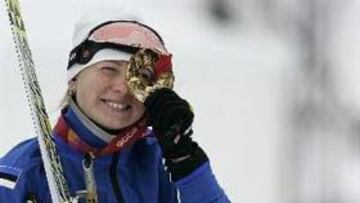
(201, 186)
(12, 186)
(18, 189)
(22, 174)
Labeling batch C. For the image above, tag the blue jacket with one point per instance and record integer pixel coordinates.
(134, 175)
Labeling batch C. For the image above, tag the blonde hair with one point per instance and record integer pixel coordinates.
(65, 101)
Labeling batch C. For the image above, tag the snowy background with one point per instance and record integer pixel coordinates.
(274, 85)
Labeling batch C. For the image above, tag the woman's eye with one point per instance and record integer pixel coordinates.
(108, 69)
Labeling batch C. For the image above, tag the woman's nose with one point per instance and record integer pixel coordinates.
(120, 85)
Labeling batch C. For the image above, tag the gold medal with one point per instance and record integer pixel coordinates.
(147, 72)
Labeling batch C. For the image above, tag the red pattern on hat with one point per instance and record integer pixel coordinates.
(128, 33)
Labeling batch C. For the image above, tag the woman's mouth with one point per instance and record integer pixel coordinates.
(117, 106)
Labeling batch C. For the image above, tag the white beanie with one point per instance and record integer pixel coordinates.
(92, 20)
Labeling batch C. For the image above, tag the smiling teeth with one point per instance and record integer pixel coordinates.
(117, 106)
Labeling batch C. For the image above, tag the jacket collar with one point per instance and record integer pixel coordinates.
(82, 134)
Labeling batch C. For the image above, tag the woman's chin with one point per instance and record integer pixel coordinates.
(115, 125)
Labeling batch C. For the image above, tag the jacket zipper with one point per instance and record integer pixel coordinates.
(115, 179)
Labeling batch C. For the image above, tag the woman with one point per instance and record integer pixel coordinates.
(107, 117)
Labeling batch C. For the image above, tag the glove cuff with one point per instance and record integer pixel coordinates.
(185, 167)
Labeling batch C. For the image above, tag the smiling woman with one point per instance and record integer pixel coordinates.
(111, 143)
(102, 94)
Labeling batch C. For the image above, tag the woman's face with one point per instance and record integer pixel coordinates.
(102, 94)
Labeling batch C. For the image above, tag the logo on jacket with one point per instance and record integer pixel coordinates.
(126, 138)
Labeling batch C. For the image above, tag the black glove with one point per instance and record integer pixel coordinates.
(171, 118)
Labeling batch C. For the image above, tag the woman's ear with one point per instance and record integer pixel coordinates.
(72, 84)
